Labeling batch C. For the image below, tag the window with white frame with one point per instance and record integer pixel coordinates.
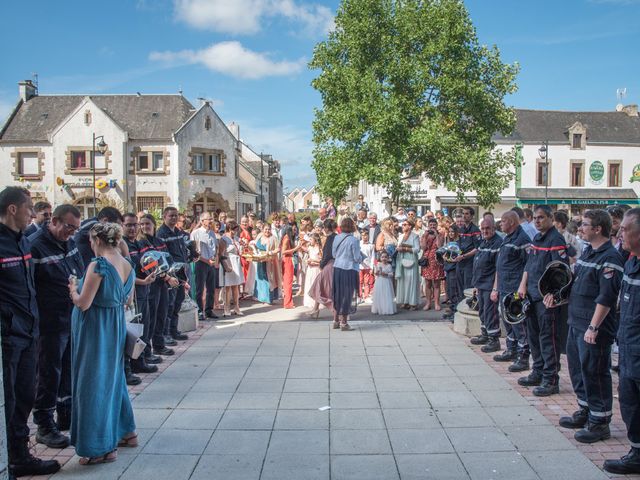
(79, 160)
(206, 162)
(150, 162)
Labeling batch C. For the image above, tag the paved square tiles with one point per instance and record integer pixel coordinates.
(391, 400)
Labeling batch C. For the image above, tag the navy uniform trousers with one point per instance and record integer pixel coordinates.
(19, 381)
(488, 310)
(54, 377)
(542, 329)
(590, 371)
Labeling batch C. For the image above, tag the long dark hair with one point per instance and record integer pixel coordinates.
(288, 232)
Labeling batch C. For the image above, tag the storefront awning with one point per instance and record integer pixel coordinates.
(578, 196)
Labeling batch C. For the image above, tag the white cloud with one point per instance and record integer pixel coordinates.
(245, 16)
(231, 58)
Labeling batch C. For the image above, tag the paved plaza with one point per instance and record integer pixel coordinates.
(407, 400)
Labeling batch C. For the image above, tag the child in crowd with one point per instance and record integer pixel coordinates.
(314, 256)
(366, 276)
(383, 294)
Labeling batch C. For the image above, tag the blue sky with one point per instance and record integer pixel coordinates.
(249, 56)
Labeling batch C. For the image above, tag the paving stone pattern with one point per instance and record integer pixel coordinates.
(408, 400)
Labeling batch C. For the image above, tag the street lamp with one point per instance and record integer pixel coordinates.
(102, 147)
(543, 151)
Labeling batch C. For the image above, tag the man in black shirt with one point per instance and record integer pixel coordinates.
(55, 258)
(19, 321)
(484, 272)
(592, 328)
(177, 248)
(542, 322)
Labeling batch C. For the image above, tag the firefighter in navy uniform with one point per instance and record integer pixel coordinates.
(629, 346)
(592, 328)
(143, 364)
(470, 238)
(19, 321)
(174, 238)
(484, 272)
(509, 268)
(55, 258)
(542, 322)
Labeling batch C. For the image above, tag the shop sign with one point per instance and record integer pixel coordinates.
(635, 176)
(596, 172)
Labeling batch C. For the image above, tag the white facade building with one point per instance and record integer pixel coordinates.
(160, 151)
(593, 160)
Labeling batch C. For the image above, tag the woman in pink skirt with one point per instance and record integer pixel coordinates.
(322, 287)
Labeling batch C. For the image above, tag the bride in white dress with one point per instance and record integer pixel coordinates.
(383, 295)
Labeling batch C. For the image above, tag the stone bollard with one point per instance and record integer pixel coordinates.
(466, 321)
(188, 316)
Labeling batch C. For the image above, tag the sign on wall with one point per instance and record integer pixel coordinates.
(635, 176)
(596, 172)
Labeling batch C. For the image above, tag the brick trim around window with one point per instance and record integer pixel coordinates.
(16, 163)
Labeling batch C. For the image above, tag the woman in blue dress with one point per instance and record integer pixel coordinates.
(268, 280)
(102, 416)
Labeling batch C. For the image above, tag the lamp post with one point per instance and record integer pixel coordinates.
(543, 151)
(102, 147)
(261, 191)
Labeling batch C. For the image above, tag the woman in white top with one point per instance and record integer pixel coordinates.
(347, 255)
(232, 277)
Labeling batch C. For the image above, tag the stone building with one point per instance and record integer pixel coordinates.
(592, 160)
(159, 150)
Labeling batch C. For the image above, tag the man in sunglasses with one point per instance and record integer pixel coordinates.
(43, 214)
(55, 259)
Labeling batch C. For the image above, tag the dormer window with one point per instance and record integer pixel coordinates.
(577, 136)
(576, 140)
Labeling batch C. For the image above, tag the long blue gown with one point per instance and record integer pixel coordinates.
(102, 412)
(263, 290)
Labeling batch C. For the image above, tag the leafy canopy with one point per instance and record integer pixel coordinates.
(406, 89)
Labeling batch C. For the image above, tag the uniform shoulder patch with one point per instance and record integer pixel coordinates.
(607, 272)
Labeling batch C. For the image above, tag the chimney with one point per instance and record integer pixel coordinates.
(28, 90)
(235, 129)
(631, 110)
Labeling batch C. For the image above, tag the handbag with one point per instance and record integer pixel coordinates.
(407, 262)
(226, 264)
(134, 345)
(423, 262)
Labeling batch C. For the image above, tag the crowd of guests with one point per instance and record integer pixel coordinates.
(68, 286)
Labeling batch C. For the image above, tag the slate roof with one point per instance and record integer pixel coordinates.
(154, 117)
(602, 127)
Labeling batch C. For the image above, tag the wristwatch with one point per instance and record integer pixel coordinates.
(592, 328)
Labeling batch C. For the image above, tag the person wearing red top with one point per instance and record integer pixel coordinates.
(287, 249)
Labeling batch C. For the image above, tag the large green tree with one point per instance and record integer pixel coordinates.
(407, 89)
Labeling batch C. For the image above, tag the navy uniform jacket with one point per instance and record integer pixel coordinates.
(81, 239)
(484, 263)
(511, 260)
(18, 306)
(629, 328)
(135, 254)
(53, 263)
(596, 280)
(470, 238)
(174, 240)
(545, 249)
